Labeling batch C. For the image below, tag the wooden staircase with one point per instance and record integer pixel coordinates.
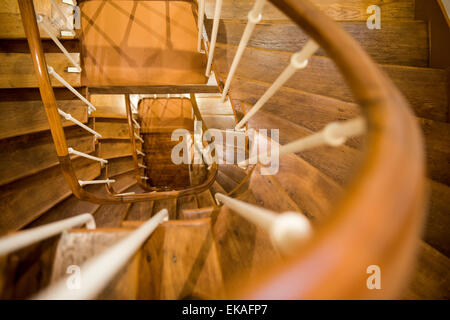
(206, 250)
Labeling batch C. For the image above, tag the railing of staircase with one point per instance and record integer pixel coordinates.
(380, 217)
(53, 114)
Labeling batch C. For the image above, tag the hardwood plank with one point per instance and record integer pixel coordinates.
(23, 201)
(220, 121)
(205, 199)
(186, 203)
(436, 226)
(226, 182)
(120, 165)
(112, 128)
(187, 88)
(233, 171)
(397, 42)
(26, 155)
(425, 88)
(17, 71)
(214, 106)
(169, 204)
(437, 142)
(180, 261)
(339, 163)
(338, 10)
(109, 149)
(111, 215)
(73, 206)
(22, 117)
(77, 247)
(199, 213)
(430, 280)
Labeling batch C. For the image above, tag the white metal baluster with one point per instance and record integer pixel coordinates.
(201, 16)
(84, 155)
(145, 178)
(138, 137)
(21, 239)
(98, 271)
(41, 21)
(140, 153)
(140, 165)
(68, 86)
(215, 29)
(287, 230)
(69, 117)
(334, 134)
(136, 124)
(85, 183)
(299, 60)
(254, 16)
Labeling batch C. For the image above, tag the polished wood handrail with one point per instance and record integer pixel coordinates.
(380, 218)
(28, 16)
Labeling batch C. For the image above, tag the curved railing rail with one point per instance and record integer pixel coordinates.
(42, 71)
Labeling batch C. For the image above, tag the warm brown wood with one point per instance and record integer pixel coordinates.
(16, 70)
(397, 42)
(220, 121)
(108, 105)
(180, 261)
(205, 199)
(111, 215)
(214, 106)
(112, 128)
(336, 9)
(140, 211)
(226, 182)
(24, 200)
(79, 246)
(112, 148)
(22, 117)
(26, 155)
(186, 203)
(424, 88)
(199, 213)
(49, 46)
(120, 165)
(193, 88)
(169, 204)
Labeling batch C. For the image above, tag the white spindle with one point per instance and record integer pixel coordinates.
(287, 230)
(214, 31)
(138, 137)
(136, 124)
(69, 117)
(97, 272)
(68, 86)
(139, 152)
(144, 178)
(334, 134)
(299, 60)
(124, 194)
(201, 16)
(140, 165)
(85, 183)
(41, 21)
(60, 13)
(21, 239)
(85, 155)
(254, 16)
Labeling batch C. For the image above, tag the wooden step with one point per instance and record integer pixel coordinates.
(79, 246)
(26, 199)
(198, 213)
(205, 199)
(226, 182)
(397, 42)
(180, 261)
(436, 227)
(113, 148)
(347, 10)
(219, 121)
(111, 215)
(108, 105)
(430, 280)
(298, 178)
(11, 20)
(140, 210)
(17, 71)
(437, 142)
(73, 206)
(214, 106)
(156, 89)
(112, 128)
(217, 188)
(22, 117)
(234, 172)
(121, 165)
(339, 163)
(169, 204)
(26, 155)
(186, 203)
(244, 249)
(424, 88)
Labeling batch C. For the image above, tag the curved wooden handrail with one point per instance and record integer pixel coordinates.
(28, 16)
(378, 221)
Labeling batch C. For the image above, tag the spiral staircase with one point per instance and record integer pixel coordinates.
(365, 200)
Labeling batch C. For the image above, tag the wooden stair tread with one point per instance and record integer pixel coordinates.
(226, 182)
(26, 155)
(113, 148)
(186, 203)
(351, 10)
(169, 204)
(424, 88)
(120, 165)
(22, 117)
(17, 71)
(234, 172)
(26, 199)
(198, 213)
(214, 106)
(112, 128)
(220, 121)
(73, 206)
(397, 42)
